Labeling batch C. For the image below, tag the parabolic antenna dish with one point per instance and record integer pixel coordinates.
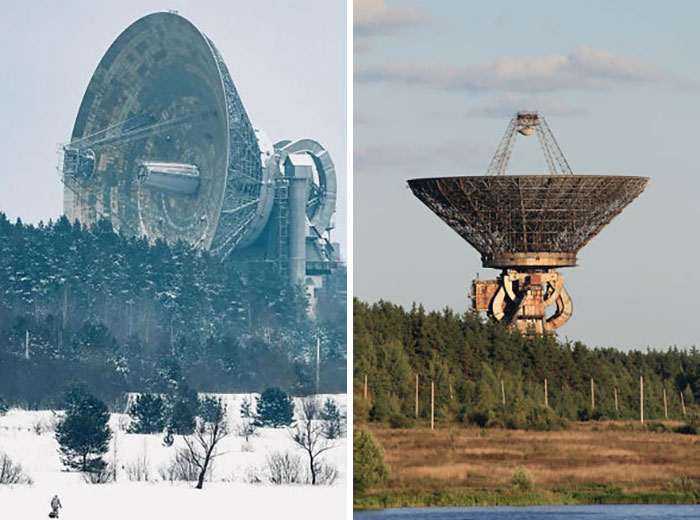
(163, 146)
(519, 220)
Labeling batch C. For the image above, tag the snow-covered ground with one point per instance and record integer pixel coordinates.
(28, 438)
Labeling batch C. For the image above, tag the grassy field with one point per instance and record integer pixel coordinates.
(590, 463)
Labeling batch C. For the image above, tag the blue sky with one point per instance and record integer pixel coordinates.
(436, 83)
(287, 59)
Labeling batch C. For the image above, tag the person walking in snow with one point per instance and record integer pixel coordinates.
(55, 505)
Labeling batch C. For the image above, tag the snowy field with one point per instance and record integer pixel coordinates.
(230, 492)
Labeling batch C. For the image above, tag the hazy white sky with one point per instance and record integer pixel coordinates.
(287, 59)
(436, 83)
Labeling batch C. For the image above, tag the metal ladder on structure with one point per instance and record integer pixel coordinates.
(282, 203)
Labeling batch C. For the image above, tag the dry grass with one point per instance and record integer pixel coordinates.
(483, 460)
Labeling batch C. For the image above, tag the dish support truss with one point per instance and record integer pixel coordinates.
(528, 123)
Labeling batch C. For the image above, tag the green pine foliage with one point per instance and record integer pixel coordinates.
(112, 310)
(471, 359)
(332, 419)
(211, 410)
(247, 411)
(147, 414)
(274, 409)
(83, 434)
(368, 466)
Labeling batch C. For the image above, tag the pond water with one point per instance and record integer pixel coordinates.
(593, 512)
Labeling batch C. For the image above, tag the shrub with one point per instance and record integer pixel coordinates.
(284, 468)
(326, 474)
(101, 475)
(369, 468)
(245, 428)
(683, 484)
(11, 472)
(252, 475)
(41, 426)
(147, 414)
(138, 470)
(655, 426)
(541, 418)
(181, 468)
(586, 414)
(478, 417)
(83, 434)
(398, 420)
(275, 409)
(522, 480)
(691, 426)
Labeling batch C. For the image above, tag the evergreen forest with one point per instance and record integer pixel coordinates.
(477, 365)
(122, 315)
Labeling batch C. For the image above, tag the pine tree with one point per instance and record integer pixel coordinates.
(147, 414)
(83, 434)
(332, 419)
(275, 408)
(247, 411)
(368, 467)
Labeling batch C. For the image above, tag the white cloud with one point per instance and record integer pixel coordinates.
(584, 69)
(372, 17)
(508, 103)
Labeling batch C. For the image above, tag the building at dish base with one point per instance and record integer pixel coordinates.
(163, 148)
(528, 226)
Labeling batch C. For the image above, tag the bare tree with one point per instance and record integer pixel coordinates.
(309, 435)
(211, 426)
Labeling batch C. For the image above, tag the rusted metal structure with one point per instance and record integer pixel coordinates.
(527, 225)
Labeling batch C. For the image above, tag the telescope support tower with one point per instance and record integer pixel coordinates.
(520, 298)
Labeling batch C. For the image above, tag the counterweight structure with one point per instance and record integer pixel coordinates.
(528, 226)
(163, 147)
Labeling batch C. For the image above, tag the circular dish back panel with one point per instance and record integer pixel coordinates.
(162, 95)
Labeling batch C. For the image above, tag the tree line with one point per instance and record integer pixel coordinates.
(120, 313)
(477, 364)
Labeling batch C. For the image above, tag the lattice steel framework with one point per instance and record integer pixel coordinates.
(528, 213)
(527, 225)
(528, 123)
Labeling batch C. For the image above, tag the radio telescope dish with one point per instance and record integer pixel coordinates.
(528, 226)
(162, 145)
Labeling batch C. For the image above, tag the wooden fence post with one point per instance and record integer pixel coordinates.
(365, 393)
(416, 396)
(592, 395)
(503, 392)
(432, 405)
(683, 404)
(546, 397)
(641, 399)
(617, 409)
(665, 406)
